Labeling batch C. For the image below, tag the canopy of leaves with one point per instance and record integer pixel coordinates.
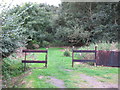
(71, 23)
(23, 24)
(81, 23)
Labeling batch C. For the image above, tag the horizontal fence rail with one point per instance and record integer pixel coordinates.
(31, 61)
(82, 51)
(77, 60)
(31, 51)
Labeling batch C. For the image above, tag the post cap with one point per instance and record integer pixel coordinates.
(73, 47)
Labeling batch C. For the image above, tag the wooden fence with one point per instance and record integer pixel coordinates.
(35, 61)
(102, 57)
(84, 51)
(108, 58)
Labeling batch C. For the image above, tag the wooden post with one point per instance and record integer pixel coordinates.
(46, 57)
(72, 56)
(95, 55)
(25, 63)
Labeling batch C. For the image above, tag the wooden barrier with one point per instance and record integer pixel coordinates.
(35, 61)
(108, 58)
(84, 51)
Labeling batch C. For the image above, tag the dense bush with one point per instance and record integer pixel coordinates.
(90, 63)
(82, 23)
(59, 43)
(45, 44)
(67, 53)
(67, 25)
(30, 45)
(12, 33)
(24, 24)
(11, 68)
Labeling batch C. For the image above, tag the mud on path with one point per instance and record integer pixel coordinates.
(86, 82)
(54, 81)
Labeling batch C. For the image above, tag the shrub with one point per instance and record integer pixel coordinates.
(45, 44)
(30, 45)
(59, 43)
(90, 63)
(11, 35)
(118, 46)
(67, 53)
(11, 68)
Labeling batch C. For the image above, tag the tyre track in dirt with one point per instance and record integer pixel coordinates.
(92, 81)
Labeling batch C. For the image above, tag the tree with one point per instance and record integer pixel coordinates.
(22, 25)
(89, 22)
(12, 37)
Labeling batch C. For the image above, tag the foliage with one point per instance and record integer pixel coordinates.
(23, 24)
(11, 34)
(45, 44)
(118, 46)
(101, 46)
(90, 63)
(67, 53)
(69, 24)
(11, 68)
(82, 23)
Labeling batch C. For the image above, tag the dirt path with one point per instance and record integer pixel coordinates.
(56, 82)
(92, 81)
(52, 80)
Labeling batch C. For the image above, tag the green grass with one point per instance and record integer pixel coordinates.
(57, 63)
